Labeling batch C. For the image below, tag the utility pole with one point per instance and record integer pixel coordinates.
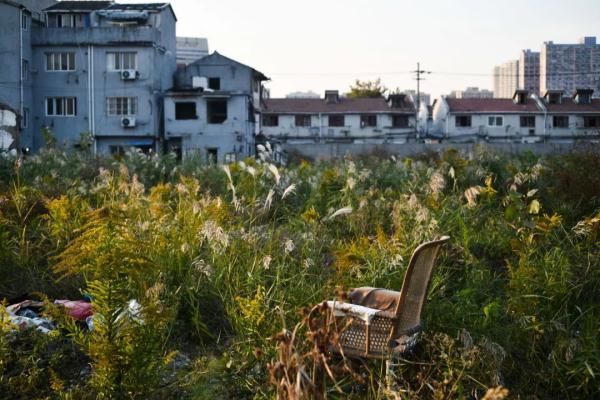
(419, 78)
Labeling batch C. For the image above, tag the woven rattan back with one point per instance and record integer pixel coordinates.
(415, 285)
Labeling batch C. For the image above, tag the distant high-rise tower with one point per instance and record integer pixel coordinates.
(529, 71)
(190, 49)
(506, 79)
(569, 67)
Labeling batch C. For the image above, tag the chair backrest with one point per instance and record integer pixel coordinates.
(416, 284)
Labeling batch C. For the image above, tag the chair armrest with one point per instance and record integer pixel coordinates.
(366, 314)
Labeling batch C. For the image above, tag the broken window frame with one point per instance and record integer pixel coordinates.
(182, 113)
(527, 121)
(560, 121)
(270, 120)
(336, 121)
(216, 117)
(368, 121)
(302, 121)
(400, 121)
(214, 83)
(463, 121)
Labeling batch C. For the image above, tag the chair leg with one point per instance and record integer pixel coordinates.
(391, 378)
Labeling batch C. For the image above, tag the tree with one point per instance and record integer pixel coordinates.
(371, 89)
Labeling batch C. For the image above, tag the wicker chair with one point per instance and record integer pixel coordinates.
(383, 324)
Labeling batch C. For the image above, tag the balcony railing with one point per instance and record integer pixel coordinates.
(94, 35)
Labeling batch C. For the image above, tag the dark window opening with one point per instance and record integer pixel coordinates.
(212, 155)
(185, 110)
(216, 111)
(400, 121)
(368, 120)
(591, 122)
(336, 120)
(302, 120)
(270, 120)
(214, 83)
(527, 122)
(116, 150)
(463, 121)
(560, 121)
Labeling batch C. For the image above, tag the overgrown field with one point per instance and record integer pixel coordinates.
(222, 259)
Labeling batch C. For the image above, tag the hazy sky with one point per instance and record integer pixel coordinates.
(326, 44)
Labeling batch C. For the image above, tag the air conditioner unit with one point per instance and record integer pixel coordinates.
(128, 74)
(128, 122)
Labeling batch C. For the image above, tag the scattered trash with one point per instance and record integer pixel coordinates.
(77, 309)
(26, 315)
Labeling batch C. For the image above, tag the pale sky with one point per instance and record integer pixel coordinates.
(326, 44)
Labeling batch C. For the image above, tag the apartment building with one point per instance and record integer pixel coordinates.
(526, 118)
(214, 109)
(190, 49)
(568, 67)
(88, 66)
(506, 79)
(471, 92)
(529, 71)
(337, 119)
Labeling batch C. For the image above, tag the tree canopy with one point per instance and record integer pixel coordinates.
(369, 89)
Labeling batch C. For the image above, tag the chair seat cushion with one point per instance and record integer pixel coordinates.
(381, 299)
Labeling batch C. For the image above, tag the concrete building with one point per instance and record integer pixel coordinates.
(335, 119)
(214, 109)
(529, 71)
(88, 66)
(425, 97)
(523, 119)
(471, 92)
(190, 49)
(506, 79)
(568, 67)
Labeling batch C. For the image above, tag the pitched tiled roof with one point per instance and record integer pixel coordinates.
(491, 106)
(568, 105)
(348, 106)
(138, 6)
(79, 6)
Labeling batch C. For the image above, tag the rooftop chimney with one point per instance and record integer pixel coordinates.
(583, 96)
(332, 96)
(520, 96)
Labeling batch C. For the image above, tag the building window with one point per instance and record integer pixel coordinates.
(24, 69)
(25, 119)
(216, 111)
(119, 106)
(214, 83)
(119, 61)
(527, 122)
(116, 150)
(591, 122)
(463, 121)
(60, 61)
(368, 121)
(212, 155)
(302, 120)
(24, 22)
(61, 21)
(560, 121)
(336, 120)
(185, 110)
(399, 121)
(61, 106)
(270, 120)
(495, 121)
(230, 158)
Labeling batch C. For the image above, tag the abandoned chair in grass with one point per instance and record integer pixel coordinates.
(381, 323)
